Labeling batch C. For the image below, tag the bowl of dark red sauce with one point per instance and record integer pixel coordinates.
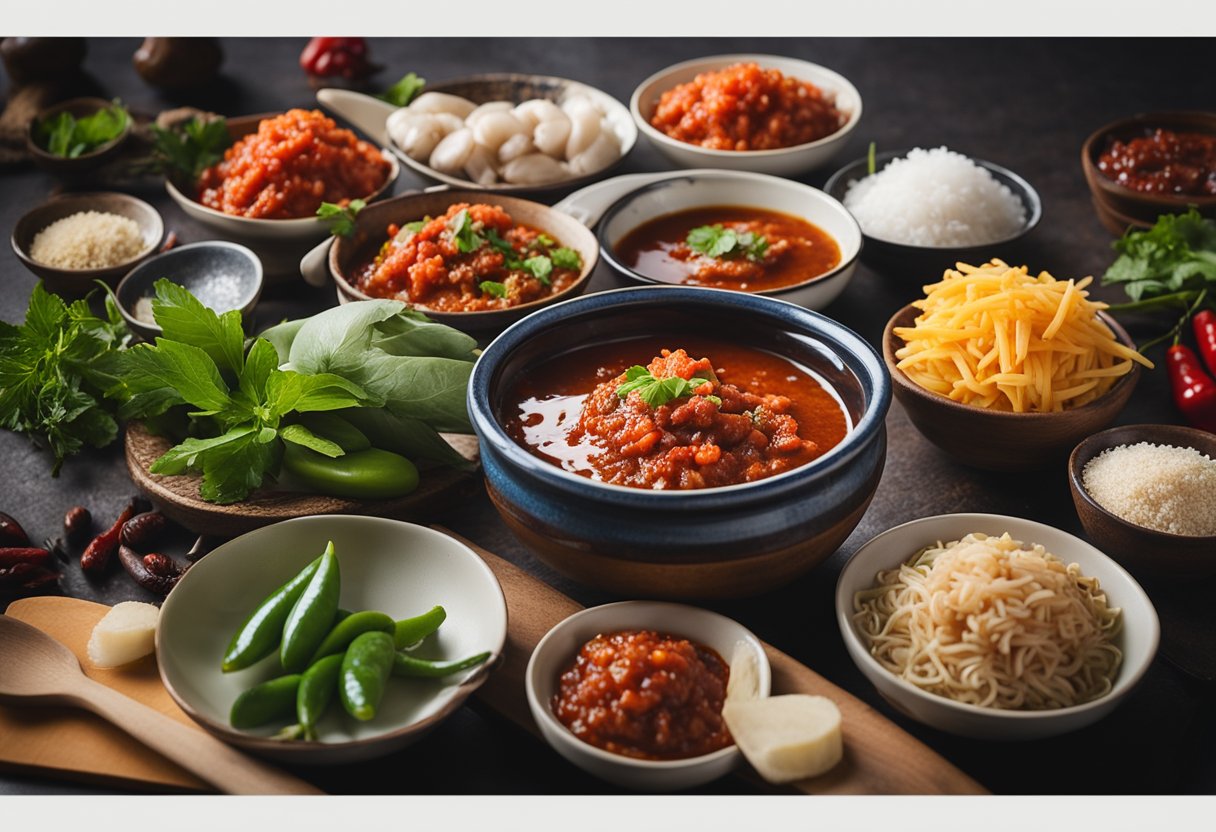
(680, 442)
(1151, 164)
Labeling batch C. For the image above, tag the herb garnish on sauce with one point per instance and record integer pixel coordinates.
(343, 216)
(719, 241)
(659, 391)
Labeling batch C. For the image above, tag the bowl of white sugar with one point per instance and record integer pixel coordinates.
(923, 210)
(1146, 495)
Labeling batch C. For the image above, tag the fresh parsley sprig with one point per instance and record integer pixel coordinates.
(188, 150)
(659, 391)
(67, 136)
(343, 216)
(493, 288)
(722, 242)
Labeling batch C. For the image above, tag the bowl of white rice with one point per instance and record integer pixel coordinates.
(74, 239)
(923, 210)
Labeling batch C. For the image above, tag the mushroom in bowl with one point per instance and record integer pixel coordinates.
(576, 409)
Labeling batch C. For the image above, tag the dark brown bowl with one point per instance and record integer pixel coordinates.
(1143, 551)
(73, 283)
(1123, 203)
(1000, 440)
(63, 166)
(370, 233)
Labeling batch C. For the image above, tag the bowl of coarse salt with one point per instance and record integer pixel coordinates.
(1146, 495)
(923, 210)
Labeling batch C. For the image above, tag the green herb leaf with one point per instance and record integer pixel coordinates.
(463, 235)
(493, 288)
(189, 149)
(185, 456)
(655, 391)
(566, 258)
(720, 241)
(65, 135)
(300, 435)
(715, 399)
(539, 267)
(182, 317)
(871, 163)
(343, 216)
(181, 367)
(403, 92)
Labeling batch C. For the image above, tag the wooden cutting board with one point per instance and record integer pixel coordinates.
(880, 758)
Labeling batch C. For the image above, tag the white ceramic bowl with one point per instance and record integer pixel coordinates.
(782, 161)
(398, 568)
(1137, 639)
(556, 652)
(701, 188)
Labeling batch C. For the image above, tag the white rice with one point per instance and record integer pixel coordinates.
(935, 198)
(88, 240)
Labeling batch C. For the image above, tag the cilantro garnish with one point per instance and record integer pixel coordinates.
(566, 258)
(493, 288)
(719, 241)
(463, 234)
(404, 91)
(192, 148)
(343, 217)
(659, 391)
(539, 267)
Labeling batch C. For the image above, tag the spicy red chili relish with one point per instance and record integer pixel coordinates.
(758, 415)
(1164, 163)
(647, 695)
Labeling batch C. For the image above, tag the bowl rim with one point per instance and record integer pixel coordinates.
(761, 179)
(65, 106)
(1099, 181)
(510, 188)
(1129, 677)
(1100, 442)
(87, 199)
(574, 289)
(764, 668)
(1025, 192)
(278, 747)
(861, 360)
(729, 59)
(259, 281)
(900, 379)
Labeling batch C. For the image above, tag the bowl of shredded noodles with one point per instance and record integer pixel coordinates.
(994, 627)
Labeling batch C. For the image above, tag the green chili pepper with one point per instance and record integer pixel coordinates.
(409, 666)
(270, 701)
(369, 474)
(336, 429)
(341, 615)
(318, 685)
(365, 669)
(410, 631)
(345, 631)
(259, 636)
(313, 614)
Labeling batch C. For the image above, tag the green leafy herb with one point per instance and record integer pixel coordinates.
(566, 258)
(720, 241)
(658, 391)
(463, 233)
(539, 267)
(70, 137)
(188, 150)
(415, 226)
(715, 399)
(542, 240)
(493, 288)
(343, 216)
(404, 91)
(55, 372)
(871, 162)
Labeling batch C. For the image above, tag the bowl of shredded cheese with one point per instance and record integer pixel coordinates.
(1007, 371)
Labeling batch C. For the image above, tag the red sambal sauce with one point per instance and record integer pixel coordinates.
(758, 415)
(292, 164)
(647, 695)
(746, 107)
(488, 262)
(792, 250)
(1163, 162)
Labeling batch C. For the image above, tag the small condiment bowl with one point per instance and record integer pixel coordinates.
(689, 190)
(71, 166)
(1118, 206)
(555, 653)
(921, 261)
(222, 275)
(785, 161)
(280, 243)
(72, 283)
(997, 440)
(338, 260)
(398, 568)
(1144, 551)
(1137, 639)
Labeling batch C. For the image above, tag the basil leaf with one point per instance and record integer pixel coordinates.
(412, 333)
(288, 391)
(261, 361)
(233, 470)
(183, 368)
(185, 456)
(343, 216)
(182, 317)
(300, 435)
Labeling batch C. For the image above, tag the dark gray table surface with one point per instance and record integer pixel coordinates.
(1024, 104)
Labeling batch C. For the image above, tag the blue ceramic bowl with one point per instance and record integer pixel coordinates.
(720, 542)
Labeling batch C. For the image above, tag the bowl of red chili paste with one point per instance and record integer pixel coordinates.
(632, 692)
(678, 442)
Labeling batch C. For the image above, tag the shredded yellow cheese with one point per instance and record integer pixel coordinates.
(993, 336)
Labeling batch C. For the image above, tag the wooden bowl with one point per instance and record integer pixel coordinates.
(1141, 208)
(85, 162)
(1144, 551)
(997, 440)
(74, 283)
(370, 233)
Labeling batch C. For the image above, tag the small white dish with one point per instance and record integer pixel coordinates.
(783, 161)
(1137, 639)
(398, 568)
(556, 651)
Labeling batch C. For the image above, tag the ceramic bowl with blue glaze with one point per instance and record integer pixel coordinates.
(727, 541)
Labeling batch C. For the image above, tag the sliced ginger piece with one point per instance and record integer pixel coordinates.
(786, 738)
(126, 633)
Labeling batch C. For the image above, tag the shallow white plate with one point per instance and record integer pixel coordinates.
(387, 565)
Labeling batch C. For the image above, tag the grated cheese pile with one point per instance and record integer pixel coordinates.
(88, 240)
(1161, 487)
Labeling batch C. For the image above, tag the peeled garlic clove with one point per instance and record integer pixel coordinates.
(399, 123)
(126, 633)
(479, 167)
(533, 111)
(786, 738)
(518, 145)
(603, 152)
(550, 136)
(584, 126)
(496, 127)
(448, 122)
(453, 150)
(533, 169)
(420, 140)
(442, 102)
(483, 110)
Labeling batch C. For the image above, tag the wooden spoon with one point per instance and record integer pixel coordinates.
(37, 669)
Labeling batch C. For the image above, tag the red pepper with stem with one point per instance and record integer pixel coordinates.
(1194, 390)
(1204, 323)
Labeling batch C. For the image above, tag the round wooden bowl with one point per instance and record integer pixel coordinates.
(71, 167)
(997, 440)
(1144, 551)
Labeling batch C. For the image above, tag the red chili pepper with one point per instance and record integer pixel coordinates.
(1194, 390)
(326, 57)
(12, 555)
(98, 553)
(1204, 323)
